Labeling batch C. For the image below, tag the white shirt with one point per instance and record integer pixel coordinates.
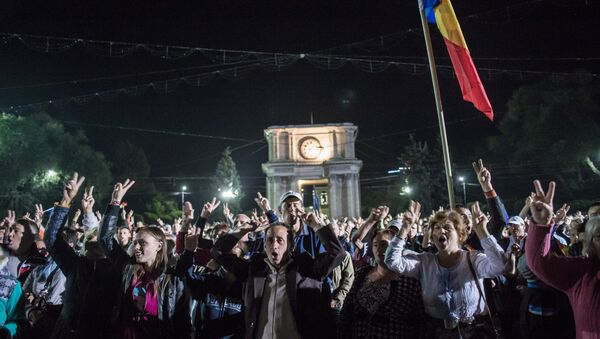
(448, 292)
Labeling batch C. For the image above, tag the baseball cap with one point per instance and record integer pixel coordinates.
(517, 220)
(290, 194)
(395, 223)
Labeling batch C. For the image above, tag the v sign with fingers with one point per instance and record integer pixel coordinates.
(87, 203)
(209, 207)
(120, 190)
(409, 217)
(541, 207)
(480, 221)
(70, 190)
(483, 176)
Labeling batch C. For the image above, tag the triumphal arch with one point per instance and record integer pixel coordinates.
(317, 161)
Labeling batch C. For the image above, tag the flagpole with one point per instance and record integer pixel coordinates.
(438, 104)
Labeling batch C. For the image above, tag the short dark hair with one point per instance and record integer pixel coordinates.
(290, 233)
(70, 235)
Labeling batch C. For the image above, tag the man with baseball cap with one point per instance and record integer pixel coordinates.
(291, 208)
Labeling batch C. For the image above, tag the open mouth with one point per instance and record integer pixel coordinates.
(443, 240)
(274, 256)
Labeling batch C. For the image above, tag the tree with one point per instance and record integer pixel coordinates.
(551, 130)
(161, 207)
(37, 153)
(226, 181)
(423, 180)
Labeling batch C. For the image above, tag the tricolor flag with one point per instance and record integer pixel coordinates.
(440, 12)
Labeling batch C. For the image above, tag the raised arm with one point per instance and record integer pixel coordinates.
(60, 251)
(526, 206)
(499, 216)
(559, 272)
(108, 228)
(491, 262)
(407, 263)
(90, 220)
(263, 204)
(377, 215)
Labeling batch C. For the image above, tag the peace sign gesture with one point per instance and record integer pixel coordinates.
(209, 207)
(87, 203)
(541, 207)
(120, 190)
(71, 188)
(39, 214)
(483, 176)
(480, 221)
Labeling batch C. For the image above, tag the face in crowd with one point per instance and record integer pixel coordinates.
(292, 210)
(412, 232)
(467, 218)
(147, 247)
(20, 237)
(124, 236)
(381, 241)
(448, 231)
(517, 230)
(277, 246)
(241, 220)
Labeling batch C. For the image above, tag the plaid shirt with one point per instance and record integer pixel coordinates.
(401, 316)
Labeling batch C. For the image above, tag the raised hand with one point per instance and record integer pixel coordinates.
(412, 214)
(130, 220)
(480, 221)
(39, 214)
(177, 225)
(561, 214)
(120, 190)
(541, 207)
(227, 211)
(409, 217)
(483, 176)
(262, 202)
(98, 215)
(70, 189)
(379, 213)
(529, 199)
(159, 222)
(76, 216)
(209, 207)
(313, 221)
(188, 211)
(87, 203)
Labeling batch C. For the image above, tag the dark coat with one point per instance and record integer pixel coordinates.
(86, 308)
(173, 301)
(309, 295)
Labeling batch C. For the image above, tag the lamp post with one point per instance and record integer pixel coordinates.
(183, 189)
(464, 185)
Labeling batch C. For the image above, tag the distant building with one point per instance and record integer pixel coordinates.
(320, 157)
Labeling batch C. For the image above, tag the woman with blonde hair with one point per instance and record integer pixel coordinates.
(451, 279)
(153, 302)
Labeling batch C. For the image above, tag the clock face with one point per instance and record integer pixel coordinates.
(310, 148)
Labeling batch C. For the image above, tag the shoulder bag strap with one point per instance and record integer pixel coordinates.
(480, 291)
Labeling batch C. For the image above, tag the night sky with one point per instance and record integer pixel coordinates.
(546, 36)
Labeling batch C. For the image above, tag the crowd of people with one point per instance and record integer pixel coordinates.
(285, 272)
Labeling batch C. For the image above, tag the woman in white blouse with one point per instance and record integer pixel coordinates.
(450, 293)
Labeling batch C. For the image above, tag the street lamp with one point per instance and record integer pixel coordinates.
(183, 189)
(464, 185)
